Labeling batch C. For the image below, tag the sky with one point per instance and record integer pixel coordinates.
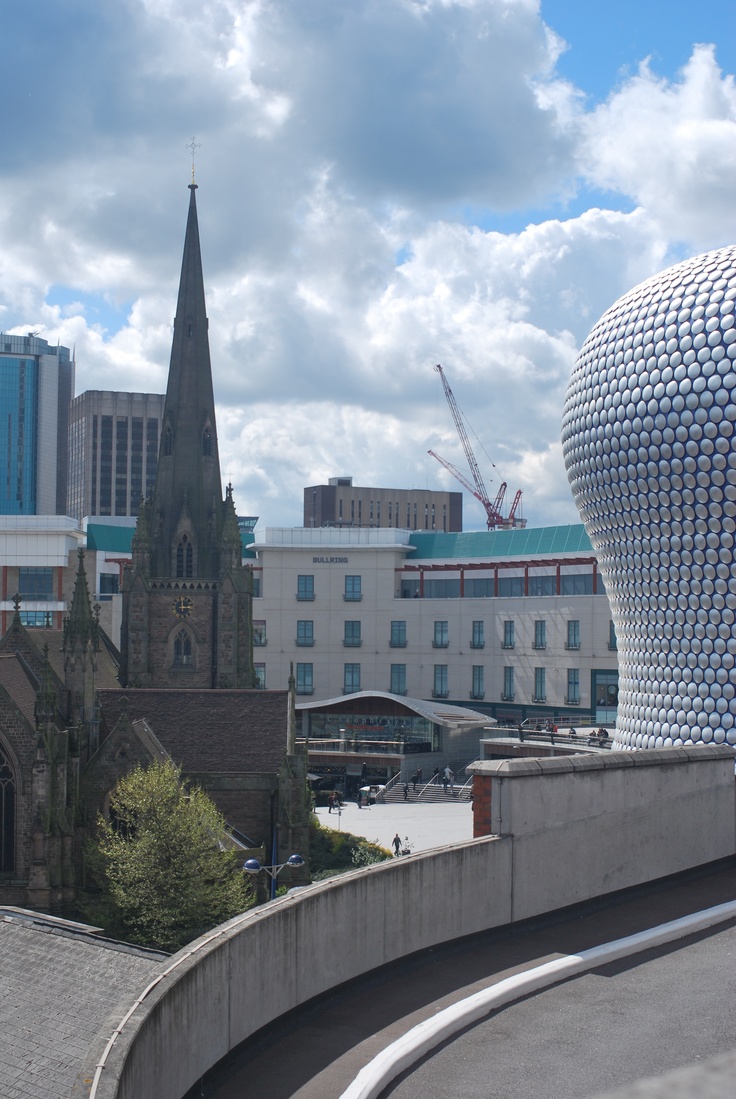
(383, 185)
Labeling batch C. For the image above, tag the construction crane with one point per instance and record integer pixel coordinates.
(493, 508)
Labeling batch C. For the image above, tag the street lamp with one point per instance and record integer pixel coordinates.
(254, 867)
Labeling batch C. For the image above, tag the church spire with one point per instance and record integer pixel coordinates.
(187, 513)
(81, 626)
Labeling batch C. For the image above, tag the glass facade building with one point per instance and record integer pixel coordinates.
(36, 386)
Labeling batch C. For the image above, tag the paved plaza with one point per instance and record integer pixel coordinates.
(429, 825)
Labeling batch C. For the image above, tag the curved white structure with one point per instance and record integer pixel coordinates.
(648, 439)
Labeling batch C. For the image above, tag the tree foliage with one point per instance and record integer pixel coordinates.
(159, 862)
(332, 852)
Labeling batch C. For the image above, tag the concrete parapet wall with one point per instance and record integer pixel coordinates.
(572, 830)
(592, 824)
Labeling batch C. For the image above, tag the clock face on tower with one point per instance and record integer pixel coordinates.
(182, 606)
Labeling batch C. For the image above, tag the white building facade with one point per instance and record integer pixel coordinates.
(514, 623)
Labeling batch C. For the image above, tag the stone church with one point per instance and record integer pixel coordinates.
(76, 714)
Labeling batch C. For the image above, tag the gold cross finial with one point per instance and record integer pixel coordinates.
(193, 146)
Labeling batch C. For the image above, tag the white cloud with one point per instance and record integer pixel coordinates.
(353, 157)
(672, 147)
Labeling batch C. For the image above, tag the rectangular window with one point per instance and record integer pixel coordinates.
(398, 679)
(351, 680)
(576, 583)
(42, 619)
(477, 691)
(441, 637)
(442, 589)
(305, 632)
(573, 687)
(540, 634)
(305, 588)
(109, 585)
(508, 634)
(259, 633)
(543, 585)
(481, 588)
(353, 593)
(573, 634)
(409, 589)
(440, 689)
(398, 635)
(477, 640)
(352, 637)
(540, 685)
(260, 674)
(256, 585)
(304, 679)
(612, 643)
(36, 583)
(508, 685)
(511, 586)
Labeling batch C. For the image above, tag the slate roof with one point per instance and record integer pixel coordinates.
(14, 679)
(227, 732)
(58, 988)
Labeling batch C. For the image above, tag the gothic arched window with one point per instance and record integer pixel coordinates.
(182, 648)
(7, 814)
(207, 443)
(184, 558)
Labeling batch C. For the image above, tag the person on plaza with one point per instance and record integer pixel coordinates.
(445, 781)
(419, 773)
(436, 776)
(415, 780)
(330, 803)
(359, 799)
(406, 791)
(396, 842)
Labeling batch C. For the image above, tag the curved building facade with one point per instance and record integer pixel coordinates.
(648, 440)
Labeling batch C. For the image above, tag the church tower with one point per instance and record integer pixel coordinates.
(187, 611)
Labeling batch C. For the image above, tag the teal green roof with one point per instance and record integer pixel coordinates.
(522, 542)
(117, 539)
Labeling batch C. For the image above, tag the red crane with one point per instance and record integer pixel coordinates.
(493, 509)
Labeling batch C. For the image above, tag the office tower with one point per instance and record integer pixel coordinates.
(36, 386)
(113, 451)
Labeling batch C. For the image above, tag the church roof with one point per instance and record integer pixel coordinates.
(223, 731)
(52, 1031)
(15, 680)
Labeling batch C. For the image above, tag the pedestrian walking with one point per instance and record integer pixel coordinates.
(397, 845)
(330, 803)
(415, 780)
(406, 791)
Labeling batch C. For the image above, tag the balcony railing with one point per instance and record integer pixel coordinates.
(304, 642)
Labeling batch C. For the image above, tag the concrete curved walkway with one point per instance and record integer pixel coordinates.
(427, 1036)
(320, 1049)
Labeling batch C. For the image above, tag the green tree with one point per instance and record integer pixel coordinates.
(161, 862)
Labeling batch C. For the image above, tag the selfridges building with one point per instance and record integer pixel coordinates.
(648, 440)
